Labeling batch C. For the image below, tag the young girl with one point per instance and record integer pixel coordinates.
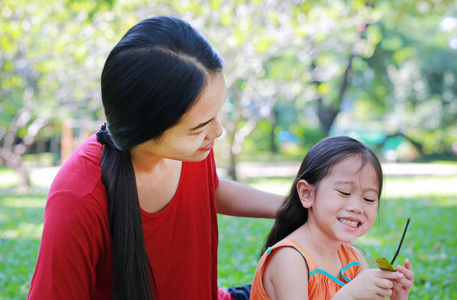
(333, 201)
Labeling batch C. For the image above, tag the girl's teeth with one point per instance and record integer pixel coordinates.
(350, 223)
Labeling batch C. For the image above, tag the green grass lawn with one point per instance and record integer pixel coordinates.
(431, 243)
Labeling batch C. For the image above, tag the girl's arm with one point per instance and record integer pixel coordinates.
(286, 275)
(236, 199)
(376, 284)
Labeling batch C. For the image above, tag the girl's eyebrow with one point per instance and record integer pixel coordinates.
(342, 182)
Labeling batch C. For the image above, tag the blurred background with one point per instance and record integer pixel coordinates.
(382, 71)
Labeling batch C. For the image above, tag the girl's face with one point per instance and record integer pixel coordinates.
(193, 137)
(345, 203)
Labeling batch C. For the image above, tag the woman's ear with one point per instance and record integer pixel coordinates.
(306, 193)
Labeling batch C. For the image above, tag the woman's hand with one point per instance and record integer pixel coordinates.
(370, 284)
(403, 285)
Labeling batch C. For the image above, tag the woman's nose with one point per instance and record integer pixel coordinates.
(216, 129)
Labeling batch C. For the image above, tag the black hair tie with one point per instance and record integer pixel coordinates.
(103, 136)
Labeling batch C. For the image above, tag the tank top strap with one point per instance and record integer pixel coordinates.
(294, 244)
(350, 261)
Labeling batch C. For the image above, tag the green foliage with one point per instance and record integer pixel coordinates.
(403, 71)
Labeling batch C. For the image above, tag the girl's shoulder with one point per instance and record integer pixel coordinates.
(293, 250)
(286, 268)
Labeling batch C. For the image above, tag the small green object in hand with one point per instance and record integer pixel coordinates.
(383, 263)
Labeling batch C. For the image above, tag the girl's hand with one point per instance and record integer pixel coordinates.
(402, 286)
(370, 284)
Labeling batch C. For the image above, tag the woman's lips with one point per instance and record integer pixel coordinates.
(208, 147)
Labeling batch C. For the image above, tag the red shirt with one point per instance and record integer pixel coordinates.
(75, 256)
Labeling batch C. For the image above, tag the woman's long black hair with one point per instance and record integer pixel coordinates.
(317, 164)
(150, 79)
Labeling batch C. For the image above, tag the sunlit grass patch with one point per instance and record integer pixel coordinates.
(420, 186)
(8, 178)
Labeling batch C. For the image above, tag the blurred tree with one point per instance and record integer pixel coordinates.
(409, 82)
(48, 57)
(248, 34)
(332, 61)
(276, 50)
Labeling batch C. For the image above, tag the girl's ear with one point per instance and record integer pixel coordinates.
(306, 193)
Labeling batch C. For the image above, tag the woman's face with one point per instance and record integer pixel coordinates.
(193, 137)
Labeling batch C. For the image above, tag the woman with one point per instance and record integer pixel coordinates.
(132, 214)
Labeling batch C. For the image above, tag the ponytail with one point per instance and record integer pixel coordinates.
(130, 261)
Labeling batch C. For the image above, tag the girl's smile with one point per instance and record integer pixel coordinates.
(351, 222)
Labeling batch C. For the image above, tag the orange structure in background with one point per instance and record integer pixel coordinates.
(74, 133)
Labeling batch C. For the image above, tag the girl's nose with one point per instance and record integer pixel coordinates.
(355, 204)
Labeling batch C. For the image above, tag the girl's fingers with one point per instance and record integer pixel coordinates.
(398, 288)
(384, 292)
(406, 270)
(408, 264)
(407, 278)
(384, 284)
(388, 274)
(403, 282)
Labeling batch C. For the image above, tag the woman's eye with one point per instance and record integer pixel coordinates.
(369, 200)
(197, 133)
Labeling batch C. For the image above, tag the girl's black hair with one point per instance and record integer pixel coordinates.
(150, 79)
(317, 164)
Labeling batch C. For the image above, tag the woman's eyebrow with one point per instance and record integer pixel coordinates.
(201, 125)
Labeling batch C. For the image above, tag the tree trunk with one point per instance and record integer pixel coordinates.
(326, 115)
(232, 170)
(273, 118)
(15, 162)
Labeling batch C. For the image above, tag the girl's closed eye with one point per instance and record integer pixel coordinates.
(343, 193)
(369, 200)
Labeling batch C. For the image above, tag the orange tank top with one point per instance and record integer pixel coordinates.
(321, 285)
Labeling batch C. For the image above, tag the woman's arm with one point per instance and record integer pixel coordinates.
(72, 243)
(236, 199)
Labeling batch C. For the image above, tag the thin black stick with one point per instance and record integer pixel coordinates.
(401, 242)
